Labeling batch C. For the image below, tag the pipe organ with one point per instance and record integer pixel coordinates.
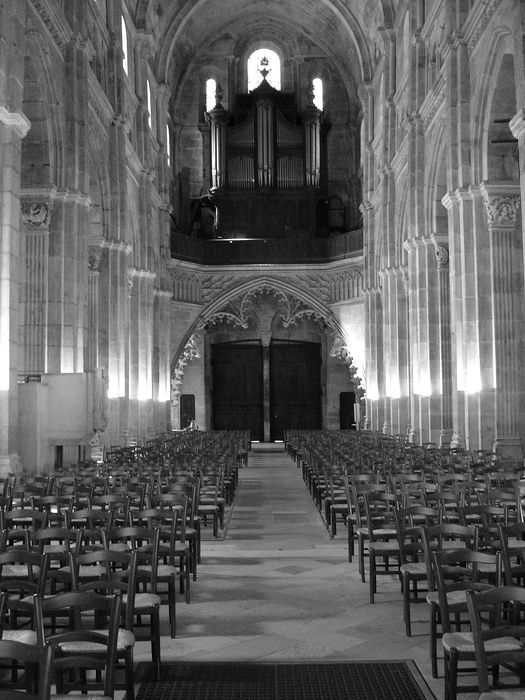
(266, 166)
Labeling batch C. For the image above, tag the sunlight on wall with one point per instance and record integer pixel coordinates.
(393, 388)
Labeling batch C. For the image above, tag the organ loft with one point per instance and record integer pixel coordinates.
(262, 217)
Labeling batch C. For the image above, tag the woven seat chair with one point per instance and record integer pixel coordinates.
(500, 642)
(84, 654)
(458, 571)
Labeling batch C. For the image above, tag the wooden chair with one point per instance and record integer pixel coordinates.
(437, 538)
(500, 643)
(141, 599)
(109, 572)
(456, 572)
(413, 569)
(512, 539)
(86, 646)
(383, 545)
(36, 659)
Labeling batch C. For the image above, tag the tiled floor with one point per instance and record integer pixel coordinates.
(276, 587)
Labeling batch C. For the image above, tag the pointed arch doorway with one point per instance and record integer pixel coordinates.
(266, 388)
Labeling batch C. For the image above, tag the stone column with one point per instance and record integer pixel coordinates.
(113, 330)
(503, 210)
(445, 412)
(92, 340)
(395, 350)
(374, 359)
(422, 308)
(141, 348)
(451, 203)
(266, 337)
(36, 207)
(14, 125)
(161, 359)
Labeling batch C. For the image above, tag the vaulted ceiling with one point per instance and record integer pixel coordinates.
(348, 32)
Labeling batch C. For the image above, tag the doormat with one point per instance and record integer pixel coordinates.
(360, 680)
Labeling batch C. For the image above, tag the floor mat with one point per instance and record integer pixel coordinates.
(370, 680)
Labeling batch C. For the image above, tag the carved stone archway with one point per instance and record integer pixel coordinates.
(236, 307)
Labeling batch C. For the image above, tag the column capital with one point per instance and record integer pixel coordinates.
(442, 257)
(503, 203)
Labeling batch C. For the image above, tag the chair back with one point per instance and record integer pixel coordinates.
(88, 644)
(506, 607)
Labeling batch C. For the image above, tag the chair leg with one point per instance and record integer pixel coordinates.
(362, 558)
(172, 608)
(372, 574)
(350, 532)
(406, 604)
(129, 670)
(451, 674)
(155, 641)
(433, 639)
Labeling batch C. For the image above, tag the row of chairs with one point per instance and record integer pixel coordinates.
(71, 532)
(442, 524)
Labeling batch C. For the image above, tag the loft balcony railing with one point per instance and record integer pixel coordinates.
(244, 251)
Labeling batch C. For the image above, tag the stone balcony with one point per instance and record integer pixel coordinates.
(228, 251)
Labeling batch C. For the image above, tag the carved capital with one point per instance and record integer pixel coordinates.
(502, 203)
(442, 257)
(94, 257)
(36, 211)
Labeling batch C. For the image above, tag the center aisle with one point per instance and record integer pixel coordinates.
(275, 587)
(273, 509)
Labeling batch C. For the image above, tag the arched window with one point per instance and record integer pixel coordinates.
(168, 145)
(150, 104)
(264, 63)
(317, 86)
(124, 42)
(211, 90)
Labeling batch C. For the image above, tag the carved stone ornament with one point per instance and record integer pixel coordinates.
(192, 350)
(239, 310)
(94, 257)
(441, 254)
(340, 350)
(36, 212)
(503, 210)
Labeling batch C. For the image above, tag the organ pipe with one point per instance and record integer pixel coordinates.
(265, 144)
(218, 117)
(312, 126)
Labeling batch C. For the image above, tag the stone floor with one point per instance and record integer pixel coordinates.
(275, 587)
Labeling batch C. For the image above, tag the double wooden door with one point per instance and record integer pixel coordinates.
(284, 385)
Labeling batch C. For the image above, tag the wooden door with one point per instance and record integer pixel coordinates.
(187, 409)
(237, 394)
(346, 410)
(295, 387)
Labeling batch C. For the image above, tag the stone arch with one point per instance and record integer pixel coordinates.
(99, 190)
(435, 212)
(296, 302)
(42, 148)
(491, 94)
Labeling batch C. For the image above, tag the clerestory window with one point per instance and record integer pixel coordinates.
(317, 86)
(124, 45)
(211, 90)
(264, 63)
